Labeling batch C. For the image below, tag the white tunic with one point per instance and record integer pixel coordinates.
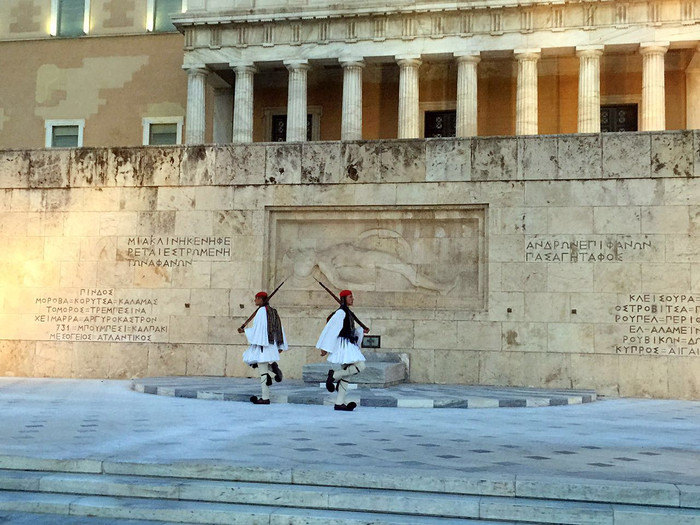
(340, 351)
(260, 349)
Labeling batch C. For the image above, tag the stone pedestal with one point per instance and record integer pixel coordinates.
(383, 369)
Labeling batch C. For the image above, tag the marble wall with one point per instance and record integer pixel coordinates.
(559, 261)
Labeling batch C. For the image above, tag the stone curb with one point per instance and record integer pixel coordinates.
(391, 397)
(512, 486)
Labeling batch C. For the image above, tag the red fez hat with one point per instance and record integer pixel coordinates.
(345, 293)
(261, 294)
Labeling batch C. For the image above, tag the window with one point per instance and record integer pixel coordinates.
(162, 131)
(275, 124)
(440, 123)
(64, 133)
(160, 11)
(70, 17)
(620, 117)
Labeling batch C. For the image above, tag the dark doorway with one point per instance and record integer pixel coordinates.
(279, 127)
(440, 123)
(621, 117)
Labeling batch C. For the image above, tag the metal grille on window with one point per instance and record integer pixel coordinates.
(618, 118)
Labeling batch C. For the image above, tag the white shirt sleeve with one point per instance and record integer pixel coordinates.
(257, 334)
(328, 339)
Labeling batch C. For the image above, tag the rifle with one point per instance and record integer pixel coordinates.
(338, 301)
(258, 308)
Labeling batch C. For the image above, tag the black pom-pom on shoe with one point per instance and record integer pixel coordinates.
(258, 401)
(329, 382)
(268, 381)
(278, 372)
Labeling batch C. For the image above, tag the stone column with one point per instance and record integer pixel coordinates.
(196, 119)
(409, 118)
(653, 86)
(526, 101)
(466, 93)
(351, 126)
(589, 88)
(692, 92)
(296, 100)
(223, 115)
(243, 103)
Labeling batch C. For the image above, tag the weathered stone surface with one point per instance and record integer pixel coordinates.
(240, 164)
(50, 168)
(14, 169)
(320, 162)
(672, 154)
(537, 158)
(448, 160)
(626, 155)
(402, 161)
(382, 369)
(494, 159)
(283, 164)
(360, 161)
(579, 157)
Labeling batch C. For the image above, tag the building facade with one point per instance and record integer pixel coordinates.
(110, 73)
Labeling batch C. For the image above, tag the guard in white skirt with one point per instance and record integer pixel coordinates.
(341, 341)
(267, 340)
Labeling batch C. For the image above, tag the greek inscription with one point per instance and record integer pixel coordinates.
(659, 324)
(174, 251)
(592, 249)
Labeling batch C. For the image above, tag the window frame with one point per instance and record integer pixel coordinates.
(52, 123)
(147, 121)
(151, 15)
(54, 19)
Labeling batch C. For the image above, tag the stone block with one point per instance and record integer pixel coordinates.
(159, 167)
(188, 329)
(506, 306)
(115, 274)
(422, 366)
(616, 277)
(91, 360)
(235, 367)
(126, 361)
(320, 162)
(570, 277)
(548, 193)
(17, 358)
(360, 161)
(524, 337)
(537, 158)
(523, 277)
(77, 274)
(456, 366)
(577, 338)
(617, 219)
(50, 168)
(595, 192)
(666, 278)
(478, 335)
(175, 198)
(167, 360)
(89, 167)
(494, 159)
(518, 220)
(240, 164)
(123, 165)
(502, 368)
(626, 155)
(645, 515)
(665, 219)
(209, 302)
(683, 374)
(507, 248)
(690, 494)
(205, 360)
(579, 157)
(548, 370)
(53, 359)
(448, 160)
(597, 371)
(682, 249)
(546, 307)
(644, 376)
(597, 490)
(570, 220)
(672, 154)
(283, 164)
(196, 275)
(395, 333)
(198, 165)
(434, 334)
(402, 161)
(14, 169)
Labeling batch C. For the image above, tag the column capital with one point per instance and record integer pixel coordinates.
(297, 65)
(589, 51)
(196, 70)
(654, 48)
(243, 67)
(473, 57)
(527, 54)
(352, 61)
(408, 60)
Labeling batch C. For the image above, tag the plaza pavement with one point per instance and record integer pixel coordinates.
(609, 439)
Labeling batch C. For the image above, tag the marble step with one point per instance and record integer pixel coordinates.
(23, 490)
(191, 512)
(383, 369)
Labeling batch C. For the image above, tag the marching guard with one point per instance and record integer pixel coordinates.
(267, 340)
(341, 341)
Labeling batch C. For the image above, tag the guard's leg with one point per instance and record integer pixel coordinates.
(277, 371)
(348, 370)
(342, 385)
(265, 382)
